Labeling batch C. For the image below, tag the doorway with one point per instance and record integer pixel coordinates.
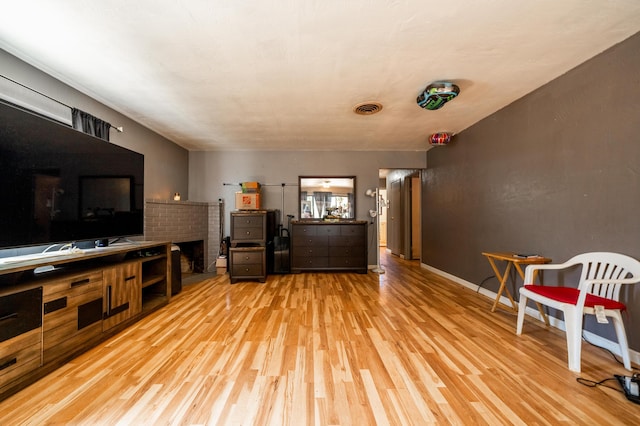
(404, 213)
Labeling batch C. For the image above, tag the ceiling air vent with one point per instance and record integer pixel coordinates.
(367, 108)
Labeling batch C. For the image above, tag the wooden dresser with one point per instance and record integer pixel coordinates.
(329, 246)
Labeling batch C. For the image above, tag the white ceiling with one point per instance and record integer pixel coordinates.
(278, 75)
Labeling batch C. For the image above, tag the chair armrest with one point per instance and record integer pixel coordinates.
(632, 280)
(530, 269)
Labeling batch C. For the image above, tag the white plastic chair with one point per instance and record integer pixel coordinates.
(601, 278)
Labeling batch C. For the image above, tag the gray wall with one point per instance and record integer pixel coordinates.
(556, 173)
(209, 171)
(166, 164)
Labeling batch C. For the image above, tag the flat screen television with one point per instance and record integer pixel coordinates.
(60, 185)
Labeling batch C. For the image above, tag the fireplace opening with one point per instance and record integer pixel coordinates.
(191, 257)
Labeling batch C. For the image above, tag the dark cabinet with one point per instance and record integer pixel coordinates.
(329, 246)
(248, 228)
(251, 255)
(248, 263)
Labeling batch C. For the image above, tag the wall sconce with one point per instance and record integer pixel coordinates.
(176, 196)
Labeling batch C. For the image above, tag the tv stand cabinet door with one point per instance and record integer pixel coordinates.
(122, 297)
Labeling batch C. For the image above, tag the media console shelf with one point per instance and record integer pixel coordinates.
(79, 300)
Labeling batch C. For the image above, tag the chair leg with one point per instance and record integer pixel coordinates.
(573, 329)
(522, 306)
(622, 337)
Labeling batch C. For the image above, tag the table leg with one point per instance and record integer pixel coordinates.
(540, 308)
(503, 284)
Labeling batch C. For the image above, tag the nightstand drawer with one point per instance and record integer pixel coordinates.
(248, 228)
(248, 220)
(247, 270)
(243, 257)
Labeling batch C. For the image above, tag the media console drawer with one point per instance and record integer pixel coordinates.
(20, 355)
(72, 313)
(20, 311)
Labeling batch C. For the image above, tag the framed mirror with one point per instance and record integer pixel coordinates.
(327, 197)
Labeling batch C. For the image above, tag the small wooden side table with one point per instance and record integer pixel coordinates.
(512, 260)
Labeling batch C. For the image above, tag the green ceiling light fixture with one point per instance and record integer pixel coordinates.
(437, 94)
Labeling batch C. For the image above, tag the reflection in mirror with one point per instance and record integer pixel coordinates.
(327, 197)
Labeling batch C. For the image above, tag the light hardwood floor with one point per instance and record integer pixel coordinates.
(406, 347)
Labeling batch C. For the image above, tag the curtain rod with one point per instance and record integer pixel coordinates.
(119, 129)
(35, 91)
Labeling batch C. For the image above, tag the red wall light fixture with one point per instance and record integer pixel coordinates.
(440, 139)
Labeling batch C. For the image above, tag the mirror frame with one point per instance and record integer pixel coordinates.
(352, 215)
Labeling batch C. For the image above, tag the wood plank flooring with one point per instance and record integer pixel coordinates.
(404, 348)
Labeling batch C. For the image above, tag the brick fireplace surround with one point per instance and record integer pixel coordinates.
(185, 222)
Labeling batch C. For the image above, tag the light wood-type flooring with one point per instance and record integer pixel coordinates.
(404, 348)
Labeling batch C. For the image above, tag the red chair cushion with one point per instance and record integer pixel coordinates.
(570, 295)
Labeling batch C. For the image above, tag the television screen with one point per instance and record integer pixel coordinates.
(60, 185)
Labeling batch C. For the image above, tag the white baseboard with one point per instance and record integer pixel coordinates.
(554, 322)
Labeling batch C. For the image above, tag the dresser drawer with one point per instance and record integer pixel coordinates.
(20, 355)
(355, 230)
(243, 257)
(346, 262)
(346, 240)
(310, 240)
(317, 262)
(347, 251)
(310, 251)
(301, 230)
(329, 229)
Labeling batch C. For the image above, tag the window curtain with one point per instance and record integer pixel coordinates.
(89, 124)
(322, 200)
